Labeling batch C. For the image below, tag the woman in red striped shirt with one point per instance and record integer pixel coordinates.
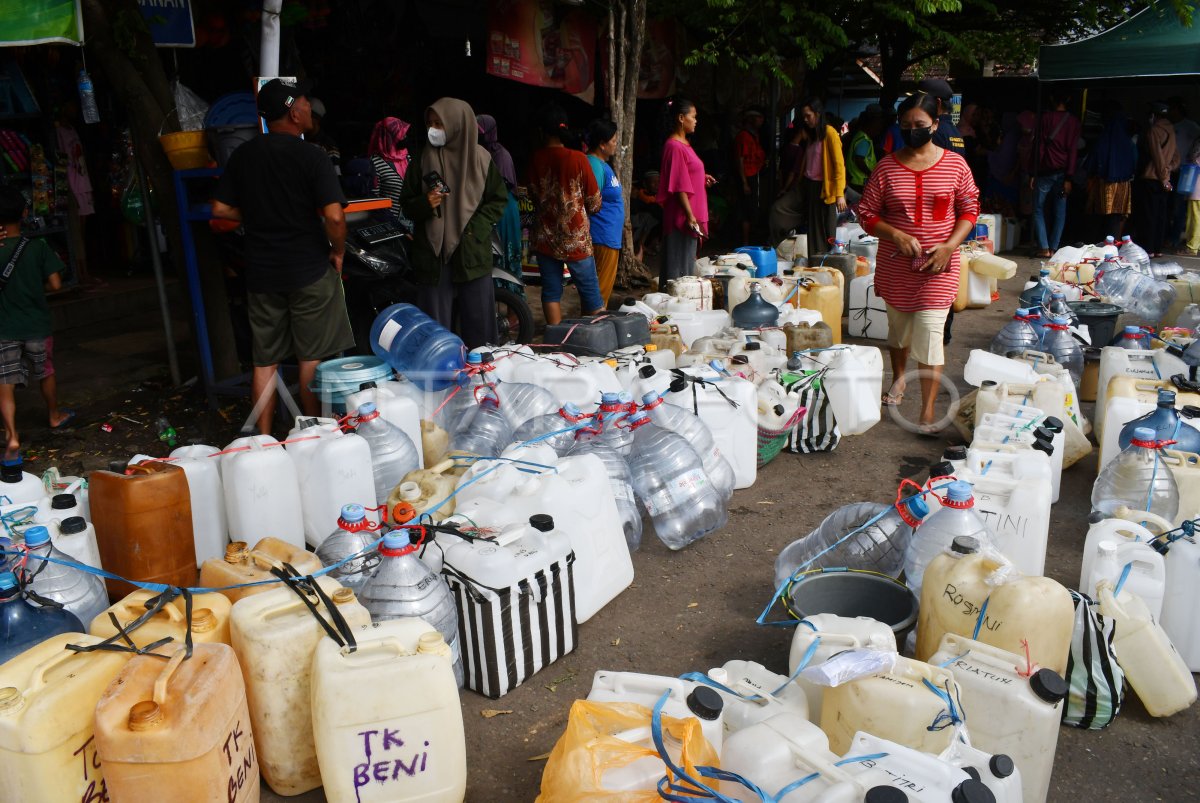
(921, 202)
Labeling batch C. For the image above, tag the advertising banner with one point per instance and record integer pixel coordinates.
(542, 43)
(36, 22)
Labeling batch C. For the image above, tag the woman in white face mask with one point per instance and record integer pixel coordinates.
(454, 195)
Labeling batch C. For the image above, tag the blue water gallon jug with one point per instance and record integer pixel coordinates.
(418, 347)
(763, 257)
(1188, 174)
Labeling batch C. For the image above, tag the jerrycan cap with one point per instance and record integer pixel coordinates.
(777, 409)
(1049, 685)
(942, 468)
(1042, 445)
(885, 794)
(474, 358)
(647, 371)
(72, 524)
(972, 791)
(203, 620)
(541, 522)
(753, 345)
(10, 470)
(36, 536)
(8, 580)
(1001, 766)
(965, 545)
(955, 453)
(1052, 424)
(705, 703)
(959, 495)
(62, 502)
(352, 514)
(117, 466)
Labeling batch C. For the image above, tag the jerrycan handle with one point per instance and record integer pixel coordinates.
(38, 679)
(442, 467)
(1144, 517)
(264, 559)
(173, 613)
(164, 677)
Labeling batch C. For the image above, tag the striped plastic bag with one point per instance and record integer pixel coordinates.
(1096, 681)
(816, 430)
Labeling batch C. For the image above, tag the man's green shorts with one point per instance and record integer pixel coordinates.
(310, 323)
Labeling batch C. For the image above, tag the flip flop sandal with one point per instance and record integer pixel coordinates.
(66, 422)
(890, 399)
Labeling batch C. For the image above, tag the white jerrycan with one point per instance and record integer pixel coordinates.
(208, 499)
(998, 772)
(567, 378)
(1152, 665)
(1181, 607)
(334, 470)
(854, 387)
(1147, 571)
(1144, 365)
(1125, 526)
(262, 492)
(729, 406)
(377, 746)
(576, 493)
(688, 699)
(922, 776)
(833, 634)
(759, 694)
(1008, 711)
(1012, 490)
(780, 751)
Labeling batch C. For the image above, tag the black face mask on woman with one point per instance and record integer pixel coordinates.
(916, 137)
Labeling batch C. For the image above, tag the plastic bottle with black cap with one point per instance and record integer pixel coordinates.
(972, 791)
(706, 703)
(885, 794)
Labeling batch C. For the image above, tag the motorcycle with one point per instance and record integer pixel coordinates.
(377, 274)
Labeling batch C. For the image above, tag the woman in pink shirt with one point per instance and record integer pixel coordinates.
(683, 193)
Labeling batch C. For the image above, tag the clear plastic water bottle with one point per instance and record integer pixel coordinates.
(521, 401)
(392, 452)
(350, 538)
(956, 517)
(1059, 344)
(557, 429)
(1132, 338)
(669, 480)
(696, 432)
(1018, 335)
(79, 592)
(1038, 295)
(87, 99)
(878, 547)
(1138, 479)
(619, 479)
(1057, 307)
(446, 408)
(1112, 277)
(482, 430)
(23, 625)
(1189, 318)
(612, 423)
(1132, 253)
(403, 586)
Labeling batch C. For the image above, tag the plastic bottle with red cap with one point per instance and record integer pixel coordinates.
(392, 452)
(352, 536)
(1138, 479)
(696, 432)
(957, 517)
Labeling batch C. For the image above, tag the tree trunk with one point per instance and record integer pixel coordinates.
(626, 34)
(135, 73)
(894, 48)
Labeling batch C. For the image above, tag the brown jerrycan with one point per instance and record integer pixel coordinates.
(178, 730)
(143, 521)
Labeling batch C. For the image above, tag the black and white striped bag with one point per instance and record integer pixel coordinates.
(1096, 682)
(508, 634)
(816, 431)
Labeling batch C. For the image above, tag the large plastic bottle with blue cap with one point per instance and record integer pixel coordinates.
(612, 421)
(957, 517)
(669, 479)
(696, 432)
(404, 586)
(620, 480)
(1037, 295)
(482, 429)
(521, 401)
(755, 312)
(351, 537)
(418, 347)
(1132, 338)
(23, 625)
(1137, 478)
(1018, 335)
(1167, 424)
(393, 453)
(556, 430)
(1058, 342)
(78, 591)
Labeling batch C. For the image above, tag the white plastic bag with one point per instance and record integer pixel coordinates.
(190, 107)
(850, 665)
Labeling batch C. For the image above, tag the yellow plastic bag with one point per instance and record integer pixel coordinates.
(589, 747)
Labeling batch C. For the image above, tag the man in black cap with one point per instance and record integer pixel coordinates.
(946, 134)
(279, 187)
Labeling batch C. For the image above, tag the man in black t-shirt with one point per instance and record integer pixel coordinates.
(279, 186)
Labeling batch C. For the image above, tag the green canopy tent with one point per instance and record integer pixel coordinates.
(1151, 43)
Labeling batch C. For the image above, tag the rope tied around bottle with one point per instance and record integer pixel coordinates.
(120, 640)
(953, 716)
(1030, 666)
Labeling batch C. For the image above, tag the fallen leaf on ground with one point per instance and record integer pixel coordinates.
(554, 684)
(541, 757)
(488, 713)
(616, 642)
(693, 604)
(765, 502)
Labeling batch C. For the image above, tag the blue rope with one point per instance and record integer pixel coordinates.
(979, 619)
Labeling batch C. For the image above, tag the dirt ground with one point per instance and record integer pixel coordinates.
(686, 611)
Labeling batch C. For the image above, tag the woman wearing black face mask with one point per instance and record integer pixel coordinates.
(922, 203)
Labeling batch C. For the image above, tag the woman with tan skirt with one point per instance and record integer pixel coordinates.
(608, 222)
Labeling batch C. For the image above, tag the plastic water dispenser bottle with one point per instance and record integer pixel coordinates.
(351, 537)
(1060, 344)
(482, 430)
(755, 312)
(1131, 252)
(956, 518)
(1138, 479)
(1038, 295)
(697, 433)
(878, 547)
(522, 401)
(1018, 335)
(1167, 425)
(1132, 338)
(23, 625)
(418, 347)
(78, 591)
(669, 479)
(393, 454)
(556, 430)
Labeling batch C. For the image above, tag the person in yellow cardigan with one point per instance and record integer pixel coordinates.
(815, 181)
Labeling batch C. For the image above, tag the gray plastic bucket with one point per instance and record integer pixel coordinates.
(849, 592)
(1100, 319)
